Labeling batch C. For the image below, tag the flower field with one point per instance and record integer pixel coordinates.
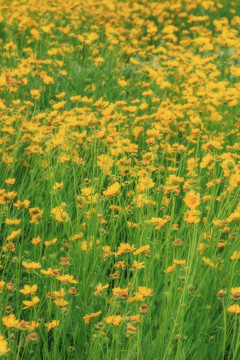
(119, 180)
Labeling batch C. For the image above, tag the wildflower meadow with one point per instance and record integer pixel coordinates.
(119, 180)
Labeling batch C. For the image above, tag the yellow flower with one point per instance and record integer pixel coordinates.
(191, 216)
(61, 95)
(76, 237)
(22, 325)
(222, 292)
(142, 250)
(235, 292)
(67, 279)
(75, 98)
(234, 180)
(143, 290)
(10, 181)
(100, 288)
(59, 105)
(179, 262)
(138, 265)
(192, 200)
(32, 265)
(206, 161)
(124, 248)
(235, 255)
(19, 204)
(145, 183)
(50, 272)
(51, 242)
(36, 240)
(122, 82)
(31, 303)
(159, 221)
(2, 283)
(60, 302)
(13, 235)
(60, 214)
(235, 70)
(58, 186)
(3, 345)
(12, 222)
(120, 265)
(88, 318)
(133, 61)
(114, 320)
(51, 325)
(112, 190)
(57, 294)
(222, 244)
(134, 318)
(170, 269)
(10, 321)
(235, 309)
(208, 262)
(121, 293)
(202, 247)
(35, 214)
(48, 80)
(28, 290)
(35, 94)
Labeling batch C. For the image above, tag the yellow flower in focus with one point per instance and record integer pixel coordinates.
(112, 190)
(28, 290)
(192, 200)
